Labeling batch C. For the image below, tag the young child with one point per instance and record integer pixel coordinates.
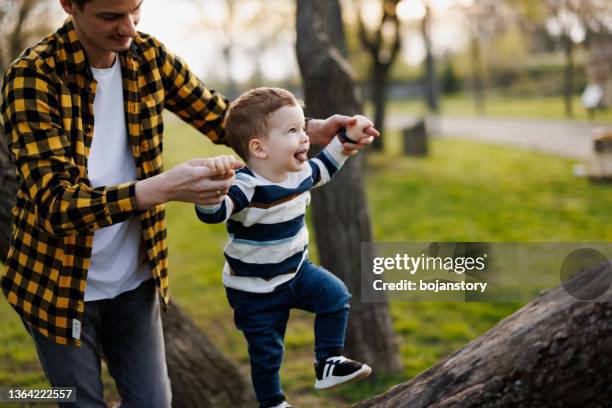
(267, 271)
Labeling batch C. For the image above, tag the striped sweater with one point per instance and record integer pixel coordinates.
(268, 237)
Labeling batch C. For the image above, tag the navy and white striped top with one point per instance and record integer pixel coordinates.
(268, 237)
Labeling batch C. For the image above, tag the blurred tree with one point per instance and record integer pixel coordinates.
(340, 214)
(270, 23)
(451, 83)
(228, 42)
(252, 33)
(569, 21)
(229, 27)
(484, 20)
(8, 192)
(530, 20)
(432, 91)
(383, 46)
(21, 22)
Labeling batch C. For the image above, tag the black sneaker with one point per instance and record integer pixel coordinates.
(338, 370)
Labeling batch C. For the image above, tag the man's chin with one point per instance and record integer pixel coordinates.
(122, 49)
(118, 46)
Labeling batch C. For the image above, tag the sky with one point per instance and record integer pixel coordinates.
(197, 30)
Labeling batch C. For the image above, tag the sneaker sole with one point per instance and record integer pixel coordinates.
(363, 372)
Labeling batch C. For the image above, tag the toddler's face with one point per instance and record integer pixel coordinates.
(287, 142)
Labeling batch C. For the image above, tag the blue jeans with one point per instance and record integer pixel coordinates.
(127, 332)
(262, 317)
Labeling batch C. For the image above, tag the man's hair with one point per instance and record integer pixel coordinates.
(247, 117)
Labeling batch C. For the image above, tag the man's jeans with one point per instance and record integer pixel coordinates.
(126, 331)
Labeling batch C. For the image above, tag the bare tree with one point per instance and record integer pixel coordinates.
(252, 34)
(340, 213)
(383, 46)
(564, 20)
(8, 192)
(484, 20)
(21, 22)
(228, 42)
(432, 89)
(569, 22)
(270, 23)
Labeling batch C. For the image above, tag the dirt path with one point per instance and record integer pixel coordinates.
(562, 138)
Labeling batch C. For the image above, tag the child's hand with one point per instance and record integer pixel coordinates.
(222, 167)
(356, 131)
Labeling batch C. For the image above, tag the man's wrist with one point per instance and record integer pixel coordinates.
(150, 192)
(307, 121)
(313, 130)
(307, 124)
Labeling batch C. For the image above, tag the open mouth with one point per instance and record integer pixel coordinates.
(301, 155)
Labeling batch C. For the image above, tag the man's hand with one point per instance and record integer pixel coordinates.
(323, 131)
(200, 181)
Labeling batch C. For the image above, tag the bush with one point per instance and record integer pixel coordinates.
(451, 83)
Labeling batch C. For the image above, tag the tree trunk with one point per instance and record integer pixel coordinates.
(431, 80)
(200, 375)
(477, 76)
(554, 352)
(379, 89)
(383, 53)
(8, 192)
(340, 214)
(568, 89)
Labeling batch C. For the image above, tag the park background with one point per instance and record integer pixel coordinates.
(499, 84)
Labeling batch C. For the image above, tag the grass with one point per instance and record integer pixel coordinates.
(545, 107)
(462, 191)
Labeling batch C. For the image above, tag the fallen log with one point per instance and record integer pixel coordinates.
(554, 352)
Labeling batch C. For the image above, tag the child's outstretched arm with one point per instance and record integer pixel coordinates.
(329, 160)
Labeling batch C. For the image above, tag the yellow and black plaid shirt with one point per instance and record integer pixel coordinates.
(47, 113)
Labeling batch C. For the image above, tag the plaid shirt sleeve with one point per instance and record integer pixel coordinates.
(188, 97)
(64, 204)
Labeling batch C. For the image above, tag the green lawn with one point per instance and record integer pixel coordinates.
(462, 191)
(546, 107)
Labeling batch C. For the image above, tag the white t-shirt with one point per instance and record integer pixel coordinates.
(118, 259)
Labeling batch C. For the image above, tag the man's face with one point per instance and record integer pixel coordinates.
(287, 143)
(105, 25)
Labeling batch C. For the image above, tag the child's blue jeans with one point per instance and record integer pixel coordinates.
(262, 317)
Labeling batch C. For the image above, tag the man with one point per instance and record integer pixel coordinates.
(87, 265)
